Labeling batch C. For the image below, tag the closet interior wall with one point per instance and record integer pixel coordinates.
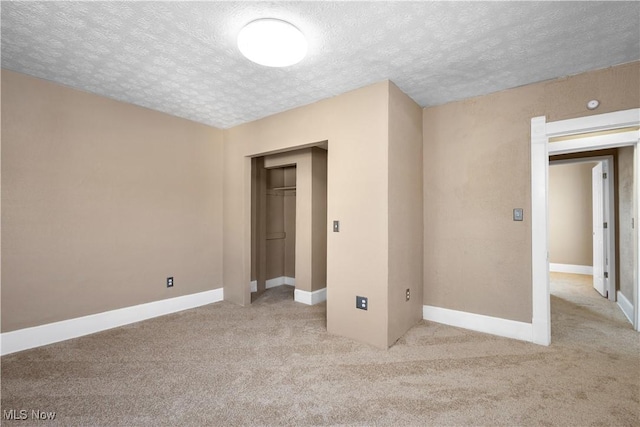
(281, 223)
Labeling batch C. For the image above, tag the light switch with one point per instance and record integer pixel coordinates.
(336, 226)
(518, 214)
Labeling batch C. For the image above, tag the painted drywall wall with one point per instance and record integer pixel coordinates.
(275, 234)
(290, 231)
(625, 218)
(405, 213)
(280, 221)
(258, 223)
(355, 125)
(477, 169)
(571, 214)
(101, 202)
(318, 218)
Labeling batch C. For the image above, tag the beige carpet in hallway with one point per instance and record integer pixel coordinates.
(274, 364)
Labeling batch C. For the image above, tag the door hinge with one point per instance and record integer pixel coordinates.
(606, 274)
(606, 225)
(604, 175)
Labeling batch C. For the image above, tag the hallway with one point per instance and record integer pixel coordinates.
(579, 313)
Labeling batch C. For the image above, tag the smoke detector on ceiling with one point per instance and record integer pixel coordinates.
(593, 104)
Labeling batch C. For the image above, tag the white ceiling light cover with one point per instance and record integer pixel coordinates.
(272, 43)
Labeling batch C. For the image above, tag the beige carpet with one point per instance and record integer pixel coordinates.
(274, 364)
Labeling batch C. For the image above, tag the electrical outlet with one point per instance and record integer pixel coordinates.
(408, 295)
(362, 303)
(169, 282)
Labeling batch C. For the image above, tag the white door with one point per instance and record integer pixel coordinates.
(598, 229)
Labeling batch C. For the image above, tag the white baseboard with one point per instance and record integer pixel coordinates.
(276, 281)
(571, 268)
(23, 339)
(279, 281)
(478, 322)
(625, 305)
(310, 298)
(272, 283)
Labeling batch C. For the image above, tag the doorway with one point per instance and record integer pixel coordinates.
(274, 225)
(289, 223)
(582, 220)
(589, 252)
(610, 130)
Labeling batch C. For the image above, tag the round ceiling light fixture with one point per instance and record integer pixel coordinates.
(272, 43)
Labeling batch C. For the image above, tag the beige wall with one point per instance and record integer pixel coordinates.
(258, 222)
(355, 125)
(625, 216)
(571, 214)
(101, 202)
(275, 234)
(318, 218)
(290, 231)
(289, 197)
(405, 213)
(374, 189)
(477, 169)
(281, 259)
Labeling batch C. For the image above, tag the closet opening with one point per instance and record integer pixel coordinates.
(289, 224)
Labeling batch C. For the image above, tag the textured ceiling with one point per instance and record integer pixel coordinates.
(181, 57)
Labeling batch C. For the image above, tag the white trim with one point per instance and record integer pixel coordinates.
(279, 281)
(596, 123)
(480, 323)
(636, 236)
(593, 143)
(310, 298)
(626, 306)
(571, 268)
(541, 309)
(272, 283)
(276, 281)
(50, 333)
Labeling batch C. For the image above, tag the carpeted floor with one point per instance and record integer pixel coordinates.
(274, 364)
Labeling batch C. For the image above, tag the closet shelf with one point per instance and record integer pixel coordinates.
(293, 187)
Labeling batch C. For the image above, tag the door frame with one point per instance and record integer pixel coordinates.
(579, 137)
(609, 214)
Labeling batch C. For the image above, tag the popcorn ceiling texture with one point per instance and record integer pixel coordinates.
(181, 57)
